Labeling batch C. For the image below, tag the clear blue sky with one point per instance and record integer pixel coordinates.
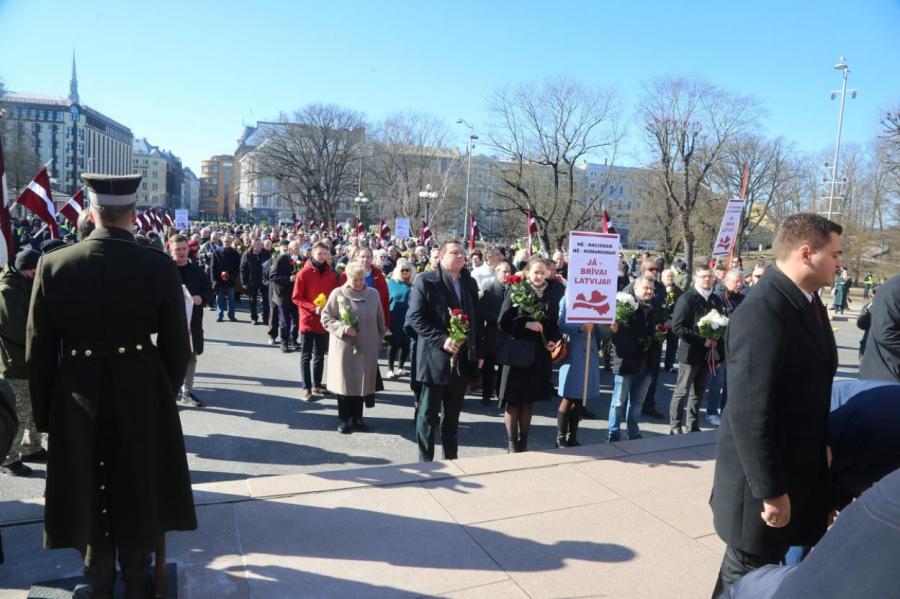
(187, 74)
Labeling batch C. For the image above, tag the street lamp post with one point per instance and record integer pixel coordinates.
(470, 145)
(845, 71)
(428, 197)
(360, 200)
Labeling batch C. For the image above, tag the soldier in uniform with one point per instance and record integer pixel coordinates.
(117, 475)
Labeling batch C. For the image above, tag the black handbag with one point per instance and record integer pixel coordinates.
(516, 353)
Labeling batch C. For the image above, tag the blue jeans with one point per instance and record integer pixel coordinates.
(717, 392)
(225, 295)
(629, 390)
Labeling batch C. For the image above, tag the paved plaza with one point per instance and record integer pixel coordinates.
(291, 508)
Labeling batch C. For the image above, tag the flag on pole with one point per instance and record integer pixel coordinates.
(425, 233)
(169, 221)
(312, 224)
(339, 228)
(359, 227)
(38, 198)
(383, 230)
(322, 226)
(6, 243)
(532, 230)
(474, 232)
(74, 207)
(607, 224)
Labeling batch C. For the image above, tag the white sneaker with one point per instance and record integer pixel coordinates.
(390, 374)
(714, 420)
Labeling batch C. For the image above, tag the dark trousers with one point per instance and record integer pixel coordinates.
(398, 348)
(313, 347)
(274, 320)
(263, 292)
(690, 385)
(671, 350)
(350, 408)
(441, 404)
(649, 406)
(490, 382)
(287, 323)
(100, 568)
(737, 563)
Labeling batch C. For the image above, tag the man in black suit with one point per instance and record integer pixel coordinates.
(224, 271)
(693, 367)
(881, 360)
(770, 482)
(198, 285)
(434, 294)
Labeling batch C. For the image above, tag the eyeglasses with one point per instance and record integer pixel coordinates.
(404, 270)
(652, 270)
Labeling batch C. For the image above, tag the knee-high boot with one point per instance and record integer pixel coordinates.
(523, 442)
(574, 418)
(562, 429)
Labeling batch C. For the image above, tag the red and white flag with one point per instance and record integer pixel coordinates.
(425, 233)
(38, 198)
(607, 225)
(339, 228)
(383, 230)
(474, 233)
(6, 243)
(312, 224)
(168, 219)
(359, 227)
(322, 226)
(74, 207)
(532, 230)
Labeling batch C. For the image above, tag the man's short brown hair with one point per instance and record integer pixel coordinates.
(177, 238)
(804, 228)
(320, 245)
(443, 247)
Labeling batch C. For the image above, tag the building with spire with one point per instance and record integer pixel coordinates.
(74, 136)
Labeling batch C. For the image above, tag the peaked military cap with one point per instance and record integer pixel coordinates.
(111, 190)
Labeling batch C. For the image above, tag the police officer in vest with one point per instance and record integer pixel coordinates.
(117, 475)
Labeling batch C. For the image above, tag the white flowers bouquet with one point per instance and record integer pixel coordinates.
(713, 325)
(626, 306)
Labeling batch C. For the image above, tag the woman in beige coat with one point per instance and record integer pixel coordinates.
(353, 351)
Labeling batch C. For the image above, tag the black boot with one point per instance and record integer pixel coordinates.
(523, 442)
(573, 429)
(562, 429)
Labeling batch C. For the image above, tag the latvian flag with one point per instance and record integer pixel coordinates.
(359, 227)
(156, 220)
(425, 233)
(607, 225)
(6, 232)
(37, 198)
(383, 230)
(144, 222)
(312, 225)
(168, 218)
(322, 226)
(339, 228)
(474, 233)
(74, 207)
(532, 229)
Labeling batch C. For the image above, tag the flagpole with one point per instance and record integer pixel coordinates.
(744, 180)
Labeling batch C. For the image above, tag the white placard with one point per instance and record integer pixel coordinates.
(729, 230)
(593, 273)
(401, 228)
(181, 220)
(189, 312)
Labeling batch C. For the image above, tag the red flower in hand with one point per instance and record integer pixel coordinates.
(662, 328)
(224, 275)
(464, 317)
(456, 312)
(513, 279)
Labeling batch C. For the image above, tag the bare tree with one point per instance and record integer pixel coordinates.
(408, 152)
(770, 174)
(687, 123)
(891, 135)
(311, 156)
(20, 158)
(541, 132)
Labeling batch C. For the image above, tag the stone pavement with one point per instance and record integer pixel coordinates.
(624, 520)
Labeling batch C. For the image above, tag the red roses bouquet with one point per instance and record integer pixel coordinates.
(224, 276)
(458, 332)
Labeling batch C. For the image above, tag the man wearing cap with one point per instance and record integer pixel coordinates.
(117, 475)
(15, 293)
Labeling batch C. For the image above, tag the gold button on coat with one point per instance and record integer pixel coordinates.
(88, 353)
(121, 350)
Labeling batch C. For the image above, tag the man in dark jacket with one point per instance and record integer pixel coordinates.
(693, 367)
(881, 360)
(636, 357)
(651, 268)
(434, 294)
(225, 269)
(252, 279)
(281, 278)
(15, 293)
(770, 481)
(117, 475)
(200, 290)
(490, 303)
(717, 394)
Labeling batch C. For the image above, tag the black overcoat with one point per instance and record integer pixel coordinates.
(280, 277)
(490, 303)
(881, 360)
(781, 362)
(106, 393)
(430, 302)
(197, 283)
(689, 308)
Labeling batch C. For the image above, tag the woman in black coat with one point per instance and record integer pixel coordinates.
(521, 387)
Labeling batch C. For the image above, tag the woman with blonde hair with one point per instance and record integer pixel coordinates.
(354, 318)
(399, 285)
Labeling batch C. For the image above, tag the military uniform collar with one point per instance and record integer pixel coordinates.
(111, 233)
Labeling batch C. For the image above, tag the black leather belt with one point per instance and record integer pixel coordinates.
(92, 350)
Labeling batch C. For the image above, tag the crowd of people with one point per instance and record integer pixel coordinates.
(493, 318)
